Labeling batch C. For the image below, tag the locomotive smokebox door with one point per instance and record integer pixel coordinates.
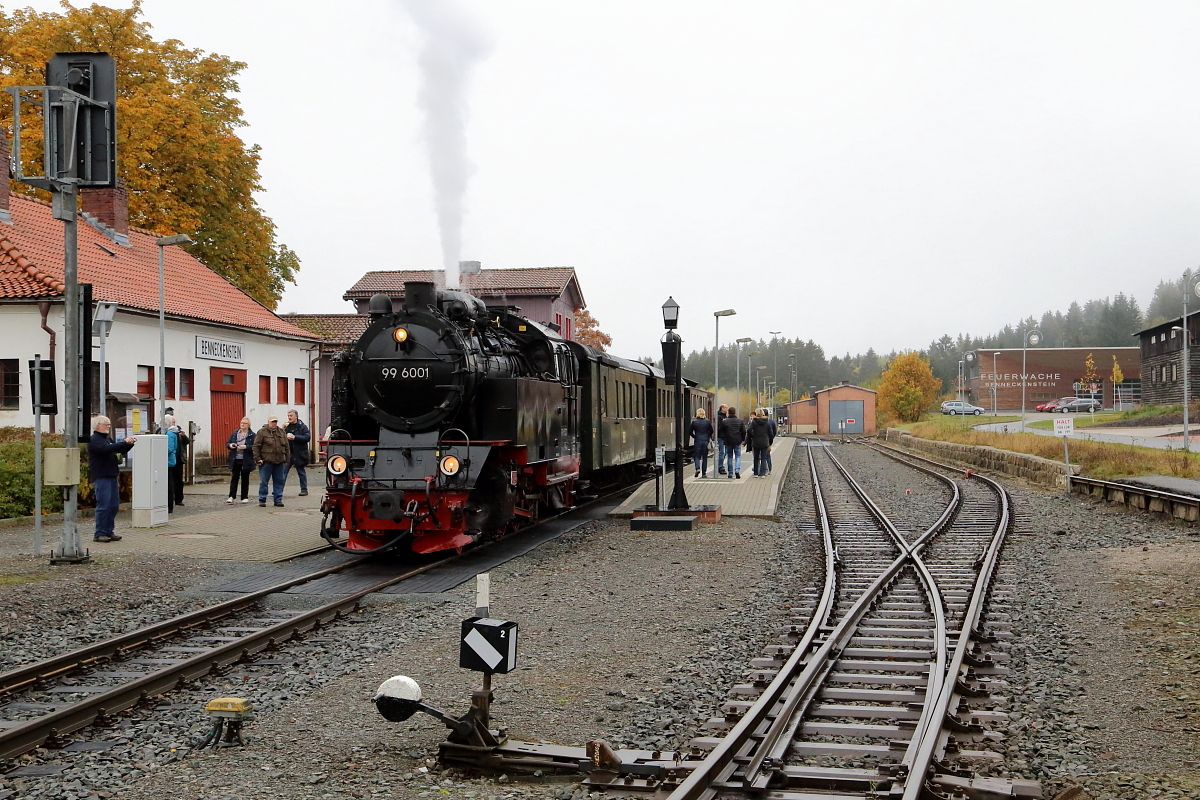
(488, 645)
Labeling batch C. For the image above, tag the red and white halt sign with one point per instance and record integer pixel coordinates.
(1064, 426)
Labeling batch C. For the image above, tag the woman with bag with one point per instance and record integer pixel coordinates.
(241, 460)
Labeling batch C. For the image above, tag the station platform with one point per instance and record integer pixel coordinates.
(212, 529)
(748, 497)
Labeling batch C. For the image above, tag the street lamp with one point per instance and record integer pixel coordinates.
(672, 350)
(161, 242)
(758, 381)
(775, 349)
(1032, 339)
(729, 312)
(995, 389)
(737, 399)
(1189, 285)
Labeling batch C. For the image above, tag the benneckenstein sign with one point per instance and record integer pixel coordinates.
(219, 350)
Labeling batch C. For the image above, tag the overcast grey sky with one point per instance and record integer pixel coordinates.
(862, 174)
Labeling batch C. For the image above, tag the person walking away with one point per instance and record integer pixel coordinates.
(701, 432)
(298, 438)
(102, 472)
(240, 457)
(271, 454)
(760, 442)
(733, 433)
(172, 459)
(722, 413)
(175, 473)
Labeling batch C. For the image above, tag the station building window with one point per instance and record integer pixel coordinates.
(264, 388)
(187, 384)
(10, 382)
(145, 380)
(298, 397)
(281, 391)
(170, 375)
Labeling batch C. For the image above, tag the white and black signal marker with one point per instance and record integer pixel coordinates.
(488, 645)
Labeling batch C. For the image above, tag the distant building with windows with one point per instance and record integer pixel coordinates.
(1048, 373)
(226, 355)
(544, 294)
(1161, 348)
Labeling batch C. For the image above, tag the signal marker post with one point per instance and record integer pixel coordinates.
(1065, 427)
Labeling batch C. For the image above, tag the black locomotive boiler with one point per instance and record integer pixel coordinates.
(453, 422)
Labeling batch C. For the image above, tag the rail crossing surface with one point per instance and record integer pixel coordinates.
(748, 497)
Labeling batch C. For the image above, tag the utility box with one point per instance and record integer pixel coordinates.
(149, 458)
(60, 466)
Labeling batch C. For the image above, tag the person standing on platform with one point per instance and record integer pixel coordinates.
(172, 433)
(271, 454)
(774, 433)
(701, 432)
(102, 472)
(298, 438)
(733, 433)
(722, 413)
(240, 459)
(759, 438)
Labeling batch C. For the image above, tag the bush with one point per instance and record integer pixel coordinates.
(16, 476)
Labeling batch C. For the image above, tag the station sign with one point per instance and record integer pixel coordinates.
(220, 350)
(1064, 426)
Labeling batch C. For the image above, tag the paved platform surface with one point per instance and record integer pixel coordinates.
(233, 532)
(1166, 483)
(748, 497)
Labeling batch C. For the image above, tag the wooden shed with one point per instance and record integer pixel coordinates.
(825, 410)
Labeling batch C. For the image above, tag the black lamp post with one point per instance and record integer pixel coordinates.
(672, 350)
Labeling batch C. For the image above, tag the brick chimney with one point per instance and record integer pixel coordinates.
(5, 159)
(109, 207)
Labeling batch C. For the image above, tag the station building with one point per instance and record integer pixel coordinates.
(822, 413)
(1050, 372)
(1161, 348)
(226, 355)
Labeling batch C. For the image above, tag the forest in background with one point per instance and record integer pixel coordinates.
(1097, 323)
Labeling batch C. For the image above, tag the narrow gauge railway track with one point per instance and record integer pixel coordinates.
(887, 690)
(173, 661)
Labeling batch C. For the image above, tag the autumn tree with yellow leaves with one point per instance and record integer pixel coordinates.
(907, 387)
(587, 333)
(185, 168)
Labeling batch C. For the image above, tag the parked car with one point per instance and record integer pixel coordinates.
(1054, 404)
(1082, 404)
(953, 407)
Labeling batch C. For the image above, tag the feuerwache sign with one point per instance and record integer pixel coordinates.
(1032, 379)
(219, 350)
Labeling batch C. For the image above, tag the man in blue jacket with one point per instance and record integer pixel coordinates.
(102, 471)
(298, 438)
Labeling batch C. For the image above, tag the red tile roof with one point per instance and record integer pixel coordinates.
(31, 257)
(335, 329)
(551, 281)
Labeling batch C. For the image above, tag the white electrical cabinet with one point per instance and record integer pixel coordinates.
(149, 456)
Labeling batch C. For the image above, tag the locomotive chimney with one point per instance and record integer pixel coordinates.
(419, 295)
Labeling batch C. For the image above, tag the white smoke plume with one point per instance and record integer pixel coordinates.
(453, 43)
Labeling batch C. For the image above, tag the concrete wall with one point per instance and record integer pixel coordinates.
(1034, 468)
(134, 341)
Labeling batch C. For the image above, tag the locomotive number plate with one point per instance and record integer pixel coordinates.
(403, 373)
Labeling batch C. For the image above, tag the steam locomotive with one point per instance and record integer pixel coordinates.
(454, 422)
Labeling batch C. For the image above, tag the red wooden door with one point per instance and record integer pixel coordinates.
(228, 408)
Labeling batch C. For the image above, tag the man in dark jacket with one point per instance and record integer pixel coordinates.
(760, 442)
(733, 434)
(722, 413)
(298, 438)
(774, 433)
(102, 472)
(271, 453)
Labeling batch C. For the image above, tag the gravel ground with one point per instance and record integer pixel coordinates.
(636, 637)
(630, 636)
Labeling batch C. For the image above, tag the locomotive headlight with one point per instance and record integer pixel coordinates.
(336, 465)
(450, 465)
(400, 335)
